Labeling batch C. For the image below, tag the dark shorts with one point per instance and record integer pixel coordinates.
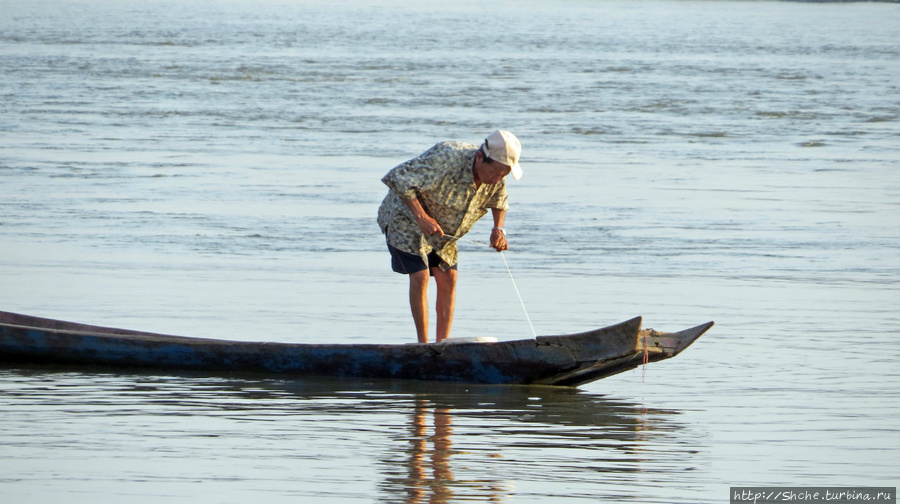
(406, 263)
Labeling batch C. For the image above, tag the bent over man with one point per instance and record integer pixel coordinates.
(433, 200)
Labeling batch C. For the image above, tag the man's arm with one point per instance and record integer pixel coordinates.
(426, 223)
(498, 235)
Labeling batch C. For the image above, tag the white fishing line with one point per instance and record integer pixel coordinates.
(506, 263)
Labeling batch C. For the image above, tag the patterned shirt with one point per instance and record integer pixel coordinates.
(443, 181)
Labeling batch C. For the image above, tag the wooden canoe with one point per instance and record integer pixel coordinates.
(568, 360)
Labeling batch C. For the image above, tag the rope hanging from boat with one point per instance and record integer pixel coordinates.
(646, 357)
(516, 287)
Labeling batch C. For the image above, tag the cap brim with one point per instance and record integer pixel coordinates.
(516, 171)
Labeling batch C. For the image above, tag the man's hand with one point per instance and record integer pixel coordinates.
(498, 240)
(429, 226)
(426, 223)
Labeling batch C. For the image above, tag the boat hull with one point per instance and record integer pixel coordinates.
(567, 360)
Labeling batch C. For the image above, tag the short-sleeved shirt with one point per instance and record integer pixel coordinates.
(443, 181)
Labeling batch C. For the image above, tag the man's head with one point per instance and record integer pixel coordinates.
(504, 148)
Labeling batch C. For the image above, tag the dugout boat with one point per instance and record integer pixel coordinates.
(567, 360)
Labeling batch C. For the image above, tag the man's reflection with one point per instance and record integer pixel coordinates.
(430, 476)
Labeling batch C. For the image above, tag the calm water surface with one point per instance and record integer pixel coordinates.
(212, 168)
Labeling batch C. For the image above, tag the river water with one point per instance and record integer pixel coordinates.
(211, 168)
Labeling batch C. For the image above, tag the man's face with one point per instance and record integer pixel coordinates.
(494, 171)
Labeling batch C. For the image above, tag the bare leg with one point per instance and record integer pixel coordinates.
(446, 301)
(418, 303)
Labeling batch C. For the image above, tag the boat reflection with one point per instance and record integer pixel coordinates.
(463, 444)
(423, 442)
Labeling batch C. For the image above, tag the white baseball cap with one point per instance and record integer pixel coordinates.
(503, 147)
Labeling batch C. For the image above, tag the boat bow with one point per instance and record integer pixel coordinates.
(615, 349)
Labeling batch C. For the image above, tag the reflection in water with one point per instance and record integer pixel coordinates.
(413, 442)
(492, 443)
(438, 483)
(430, 475)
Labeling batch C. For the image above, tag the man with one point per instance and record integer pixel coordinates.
(435, 199)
